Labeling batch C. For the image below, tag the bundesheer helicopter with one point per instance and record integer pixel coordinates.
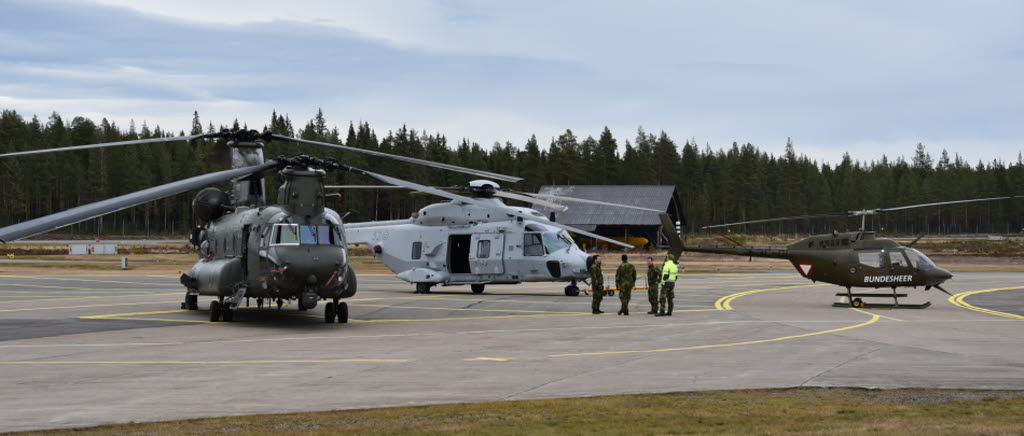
(476, 239)
(294, 249)
(848, 259)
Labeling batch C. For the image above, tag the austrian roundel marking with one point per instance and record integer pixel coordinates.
(806, 268)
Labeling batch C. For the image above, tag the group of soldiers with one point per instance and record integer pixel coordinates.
(625, 277)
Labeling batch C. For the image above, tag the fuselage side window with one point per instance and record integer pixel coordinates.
(871, 258)
(897, 259)
(417, 250)
(483, 249)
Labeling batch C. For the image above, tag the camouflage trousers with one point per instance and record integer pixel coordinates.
(625, 293)
(598, 295)
(652, 296)
(667, 295)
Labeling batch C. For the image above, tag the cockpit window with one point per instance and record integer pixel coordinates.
(294, 234)
(919, 260)
(286, 234)
(553, 243)
(897, 259)
(532, 245)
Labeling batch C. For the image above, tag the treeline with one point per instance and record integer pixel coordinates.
(739, 183)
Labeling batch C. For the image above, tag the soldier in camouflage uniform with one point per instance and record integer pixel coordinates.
(597, 285)
(653, 280)
(625, 278)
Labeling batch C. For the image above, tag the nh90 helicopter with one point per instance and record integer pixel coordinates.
(294, 249)
(478, 240)
(848, 259)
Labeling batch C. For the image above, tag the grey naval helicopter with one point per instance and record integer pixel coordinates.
(294, 249)
(477, 239)
(848, 259)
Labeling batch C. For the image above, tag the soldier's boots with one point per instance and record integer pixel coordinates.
(669, 313)
(597, 312)
(625, 312)
(652, 312)
(660, 314)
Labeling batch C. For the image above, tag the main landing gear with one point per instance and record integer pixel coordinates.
(477, 289)
(572, 290)
(219, 311)
(856, 300)
(336, 309)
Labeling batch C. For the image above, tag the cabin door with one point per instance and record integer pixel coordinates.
(487, 253)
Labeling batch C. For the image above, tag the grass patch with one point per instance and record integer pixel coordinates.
(799, 410)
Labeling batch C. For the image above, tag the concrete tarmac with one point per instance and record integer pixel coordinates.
(88, 350)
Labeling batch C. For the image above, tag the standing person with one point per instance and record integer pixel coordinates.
(596, 285)
(653, 280)
(625, 278)
(668, 286)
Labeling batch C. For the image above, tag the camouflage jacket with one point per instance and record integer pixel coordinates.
(596, 277)
(625, 276)
(653, 276)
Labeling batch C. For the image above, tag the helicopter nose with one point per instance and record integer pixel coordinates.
(938, 276)
(590, 261)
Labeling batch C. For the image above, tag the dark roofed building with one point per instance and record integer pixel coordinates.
(615, 221)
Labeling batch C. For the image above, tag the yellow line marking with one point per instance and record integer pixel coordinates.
(489, 359)
(464, 318)
(873, 319)
(724, 302)
(958, 300)
(81, 280)
(190, 362)
(471, 310)
(881, 316)
(89, 297)
(74, 288)
(86, 306)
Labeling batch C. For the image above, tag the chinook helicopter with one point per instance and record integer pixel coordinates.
(848, 259)
(477, 239)
(294, 249)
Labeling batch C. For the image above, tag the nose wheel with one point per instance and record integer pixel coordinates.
(572, 290)
(477, 289)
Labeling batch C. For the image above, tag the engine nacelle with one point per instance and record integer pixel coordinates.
(210, 204)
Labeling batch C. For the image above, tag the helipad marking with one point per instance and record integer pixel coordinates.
(191, 362)
(724, 302)
(881, 316)
(958, 300)
(873, 319)
(489, 359)
(465, 309)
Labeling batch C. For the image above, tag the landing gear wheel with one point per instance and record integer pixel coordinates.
(423, 288)
(477, 289)
(227, 314)
(343, 313)
(857, 302)
(609, 293)
(572, 291)
(329, 313)
(214, 311)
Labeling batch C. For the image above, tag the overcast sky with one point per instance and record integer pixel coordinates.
(867, 77)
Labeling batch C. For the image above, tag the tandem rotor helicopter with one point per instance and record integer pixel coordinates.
(848, 259)
(477, 239)
(294, 249)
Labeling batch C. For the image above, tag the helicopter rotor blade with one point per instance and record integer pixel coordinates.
(364, 187)
(428, 163)
(514, 212)
(786, 218)
(528, 199)
(586, 201)
(103, 145)
(911, 244)
(85, 212)
(943, 203)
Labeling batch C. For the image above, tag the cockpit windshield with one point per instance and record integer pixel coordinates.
(919, 260)
(554, 242)
(294, 234)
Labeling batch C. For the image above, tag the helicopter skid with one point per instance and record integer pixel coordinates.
(843, 294)
(884, 305)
